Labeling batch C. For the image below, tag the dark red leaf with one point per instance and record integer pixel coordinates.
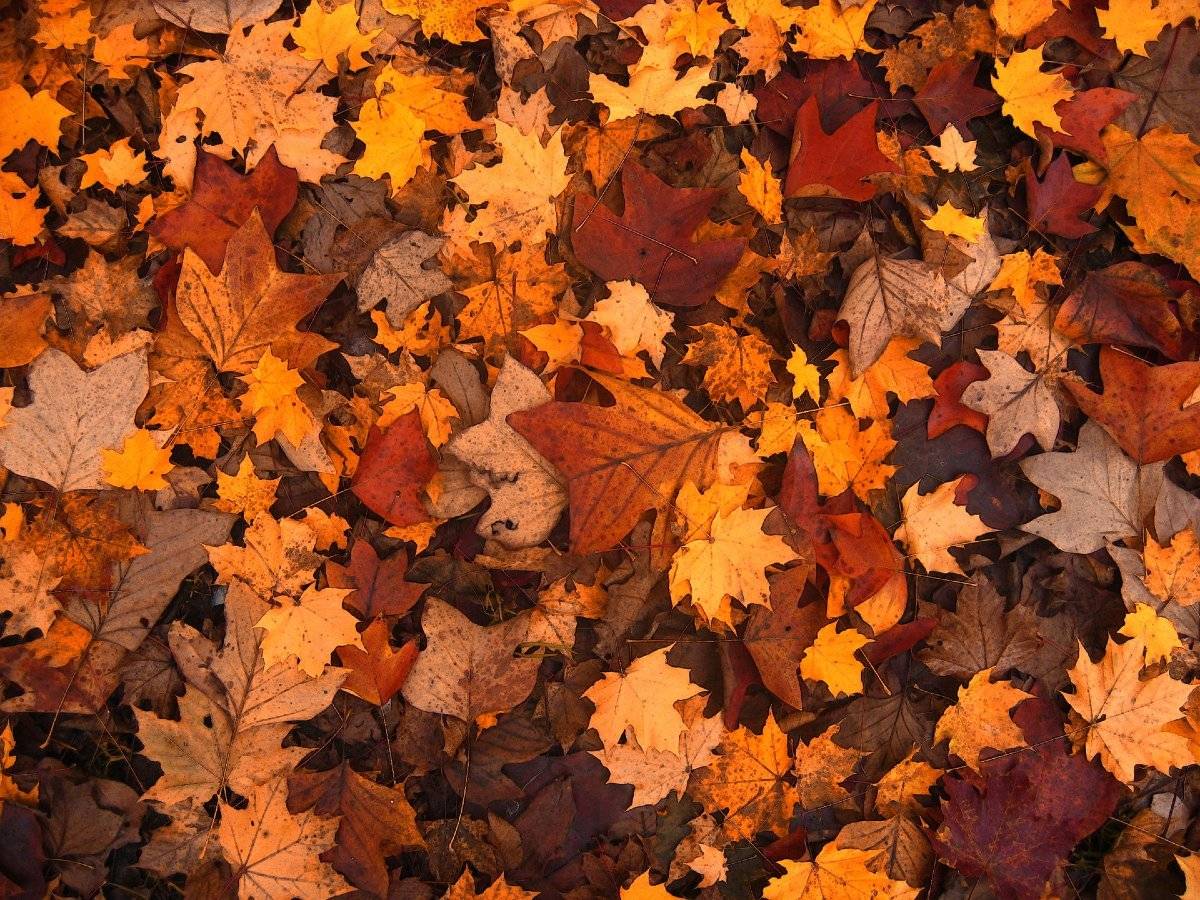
(1058, 202)
(1128, 303)
(394, 468)
(950, 97)
(840, 160)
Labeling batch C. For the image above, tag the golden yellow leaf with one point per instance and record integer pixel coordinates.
(698, 25)
(761, 188)
(831, 29)
(981, 719)
(140, 463)
(395, 143)
(1132, 24)
(897, 791)
(807, 377)
(641, 701)
(933, 523)
(642, 889)
(779, 425)
(1157, 633)
(748, 781)
(21, 220)
(832, 660)
(634, 323)
(836, 874)
(327, 35)
(453, 20)
(954, 222)
(1029, 93)
(1125, 714)
(245, 493)
(1016, 18)
(308, 628)
(846, 456)
(114, 166)
(561, 340)
(1024, 275)
(271, 398)
(29, 117)
(894, 373)
(9, 792)
(437, 412)
(695, 509)
(12, 519)
(729, 563)
(330, 529)
(1173, 569)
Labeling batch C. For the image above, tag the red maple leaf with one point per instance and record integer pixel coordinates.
(1057, 202)
(394, 468)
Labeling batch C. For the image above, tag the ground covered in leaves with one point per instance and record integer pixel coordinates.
(599, 449)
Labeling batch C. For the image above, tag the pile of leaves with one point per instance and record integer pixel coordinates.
(600, 449)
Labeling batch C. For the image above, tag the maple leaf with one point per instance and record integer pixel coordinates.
(244, 493)
(748, 780)
(980, 719)
(274, 853)
(953, 153)
(141, 463)
(1145, 408)
(761, 188)
(1058, 203)
(271, 399)
(377, 587)
(835, 873)
(277, 558)
(1030, 95)
(981, 634)
(1125, 715)
(466, 670)
(1173, 569)
(329, 35)
(259, 94)
(641, 702)
(1127, 303)
(1157, 634)
(833, 660)
(847, 456)
(309, 628)
(31, 117)
(935, 522)
(250, 306)
(839, 162)
(736, 366)
(221, 202)
(376, 672)
(75, 415)
(651, 242)
(235, 713)
(894, 373)
(622, 460)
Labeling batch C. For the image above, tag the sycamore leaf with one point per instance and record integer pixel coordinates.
(467, 670)
(641, 702)
(75, 415)
(1016, 401)
(1125, 714)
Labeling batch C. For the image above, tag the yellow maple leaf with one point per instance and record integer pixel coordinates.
(779, 426)
(951, 220)
(140, 463)
(642, 889)
(121, 52)
(894, 373)
(832, 660)
(934, 522)
(437, 412)
(1132, 24)
(836, 874)
(271, 398)
(1157, 633)
(698, 25)
(21, 220)
(641, 701)
(9, 792)
(464, 889)
(1024, 275)
(655, 88)
(730, 562)
(453, 20)
(807, 377)
(114, 166)
(1016, 18)
(12, 520)
(846, 456)
(1125, 714)
(395, 143)
(307, 629)
(761, 188)
(831, 29)
(330, 529)
(695, 509)
(327, 35)
(1173, 569)
(27, 117)
(244, 493)
(736, 366)
(981, 719)
(1029, 93)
